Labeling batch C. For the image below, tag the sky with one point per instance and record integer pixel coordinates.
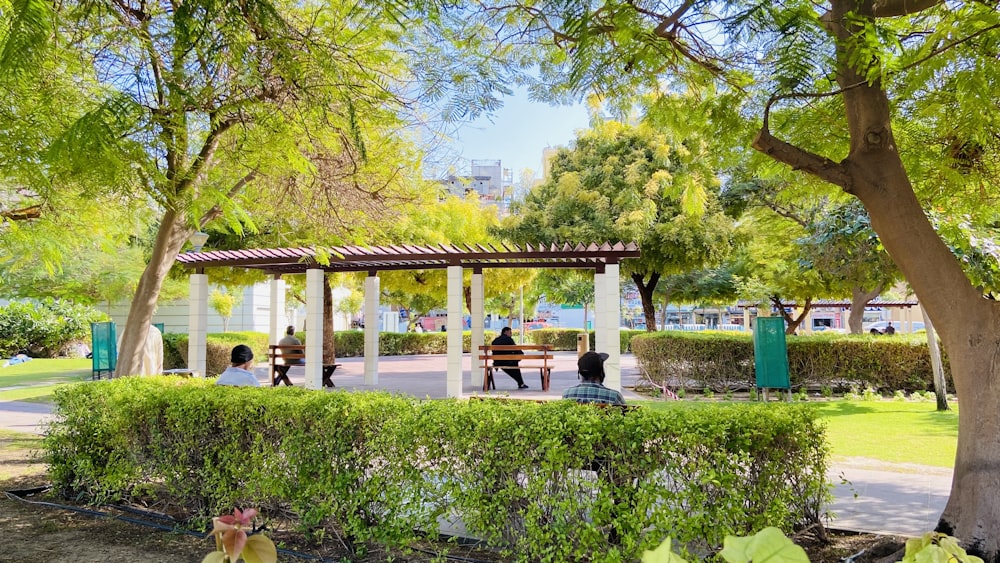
(517, 133)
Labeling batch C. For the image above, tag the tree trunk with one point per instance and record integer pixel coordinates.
(940, 386)
(170, 237)
(329, 338)
(969, 325)
(860, 299)
(646, 295)
(792, 322)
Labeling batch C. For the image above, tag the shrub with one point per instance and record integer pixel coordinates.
(536, 481)
(726, 361)
(46, 328)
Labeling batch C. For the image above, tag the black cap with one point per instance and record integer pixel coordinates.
(241, 354)
(591, 364)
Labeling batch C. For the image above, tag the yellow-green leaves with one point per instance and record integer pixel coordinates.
(662, 554)
(769, 545)
(934, 547)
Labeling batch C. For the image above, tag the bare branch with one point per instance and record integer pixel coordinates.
(23, 214)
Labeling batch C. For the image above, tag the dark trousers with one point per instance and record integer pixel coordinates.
(515, 374)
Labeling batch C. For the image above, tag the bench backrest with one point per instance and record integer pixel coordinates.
(516, 352)
(286, 352)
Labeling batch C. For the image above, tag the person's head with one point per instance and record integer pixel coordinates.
(505, 331)
(241, 355)
(591, 366)
(290, 331)
(890, 323)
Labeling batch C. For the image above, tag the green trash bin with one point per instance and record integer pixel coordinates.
(770, 354)
(103, 348)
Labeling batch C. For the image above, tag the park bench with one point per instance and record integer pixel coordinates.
(278, 356)
(530, 356)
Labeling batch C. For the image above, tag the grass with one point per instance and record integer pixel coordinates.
(35, 380)
(889, 431)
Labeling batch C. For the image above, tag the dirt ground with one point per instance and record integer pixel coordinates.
(36, 533)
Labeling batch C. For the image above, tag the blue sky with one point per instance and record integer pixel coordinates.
(518, 132)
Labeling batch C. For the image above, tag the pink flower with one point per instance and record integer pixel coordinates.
(232, 531)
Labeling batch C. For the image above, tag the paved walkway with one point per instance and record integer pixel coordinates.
(869, 496)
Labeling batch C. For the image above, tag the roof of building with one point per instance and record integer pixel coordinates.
(409, 257)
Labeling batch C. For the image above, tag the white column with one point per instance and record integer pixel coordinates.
(455, 287)
(600, 345)
(198, 324)
(277, 315)
(371, 329)
(314, 328)
(478, 326)
(613, 308)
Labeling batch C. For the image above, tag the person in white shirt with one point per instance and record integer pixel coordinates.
(239, 373)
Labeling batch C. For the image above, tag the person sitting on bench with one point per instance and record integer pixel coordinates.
(505, 340)
(239, 373)
(592, 390)
(289, 340)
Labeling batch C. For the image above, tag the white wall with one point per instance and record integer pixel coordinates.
(253, 314)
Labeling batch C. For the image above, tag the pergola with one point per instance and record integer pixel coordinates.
(317, 261)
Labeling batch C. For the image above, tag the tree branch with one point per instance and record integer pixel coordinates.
(800, 159)
(22, 214)
(893, 8)
(216, 209)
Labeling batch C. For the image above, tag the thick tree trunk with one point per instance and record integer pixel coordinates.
(170, 238)
(969, 325)
(859, 299)
(646, 295)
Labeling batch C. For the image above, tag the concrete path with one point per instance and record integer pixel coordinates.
(869, 496)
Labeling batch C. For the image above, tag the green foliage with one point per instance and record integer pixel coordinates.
(223, 302)
(45, 328)
(723, 361)
(536, 481)
(934, 547)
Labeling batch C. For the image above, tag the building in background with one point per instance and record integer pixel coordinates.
(491, 183)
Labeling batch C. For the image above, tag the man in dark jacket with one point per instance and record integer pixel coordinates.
(505, 340)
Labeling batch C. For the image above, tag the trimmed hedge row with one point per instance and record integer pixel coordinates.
(565, 338)
(724, 361)
(350, 343)
(536, 481)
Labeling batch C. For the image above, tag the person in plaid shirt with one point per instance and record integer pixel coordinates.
(592, 389)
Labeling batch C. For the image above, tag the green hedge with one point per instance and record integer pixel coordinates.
(565, 338)
(374, 469)
(725, 361)
(45, 328)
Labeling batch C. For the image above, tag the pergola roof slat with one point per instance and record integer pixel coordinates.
(412, 257)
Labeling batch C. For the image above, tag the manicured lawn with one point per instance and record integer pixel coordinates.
(36, 379)
(892, 431)
(887, 430)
